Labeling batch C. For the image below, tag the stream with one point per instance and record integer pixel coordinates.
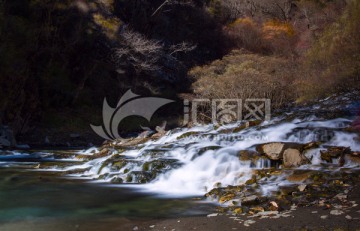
(167, 177)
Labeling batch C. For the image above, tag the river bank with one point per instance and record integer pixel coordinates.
(301, 218)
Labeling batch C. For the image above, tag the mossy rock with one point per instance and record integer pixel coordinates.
(238, 211)
(129, 178)
(311, 145)
(139, 177)
(299, 176)
(334, 152)
(250, 200)
(117, 180)
(227, 197)
(146, 166)
(251, 181)
(214, 192)
(118, 165)
(246, 155)
(187, 134)
(208, 148)
(102, 153)
(257, 209)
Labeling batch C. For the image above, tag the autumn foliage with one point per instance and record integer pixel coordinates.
(270, 37)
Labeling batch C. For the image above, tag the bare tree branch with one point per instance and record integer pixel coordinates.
(181, 47)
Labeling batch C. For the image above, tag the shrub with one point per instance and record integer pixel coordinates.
(280, 37)
(245, 33)
(271, 37)
(335, 58)
(243, 75)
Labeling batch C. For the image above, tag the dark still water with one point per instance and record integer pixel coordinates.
(31, 194)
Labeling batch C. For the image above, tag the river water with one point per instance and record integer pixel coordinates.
(27, 192)
(160, 178)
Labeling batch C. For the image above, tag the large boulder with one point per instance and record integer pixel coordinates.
(291, 153)
(293, 158)
(272, 150)
(275, 150)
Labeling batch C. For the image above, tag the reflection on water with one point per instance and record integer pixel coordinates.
(30, 194)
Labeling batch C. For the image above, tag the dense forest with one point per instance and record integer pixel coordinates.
(60, 58)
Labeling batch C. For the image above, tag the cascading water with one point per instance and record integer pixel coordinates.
(193, 161)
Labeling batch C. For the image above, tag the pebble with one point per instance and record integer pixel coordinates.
(136, 228)
(152, 226)
(211, 215)
(249, 222)
(348, 217)
(314, 212)
(336, 212)
(324, 217)
(302, 187)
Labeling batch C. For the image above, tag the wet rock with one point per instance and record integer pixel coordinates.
(293, 158)
(187, 134)
(208, 148)
(334, 152)
(273, 206)
(275, 150)
(138, 177)
(271, 150)
(102, 153)
(251, 181)
(227, 197)
(217, 185)
(299, 177)
(160, 131)
(130, 142)
(302, 187)
(250, 200)
(311, 145)
(257, 209)
(117, 180)
(353, 159)
(116, 166)
(238, 211)
(145, 134)
(247, 155)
